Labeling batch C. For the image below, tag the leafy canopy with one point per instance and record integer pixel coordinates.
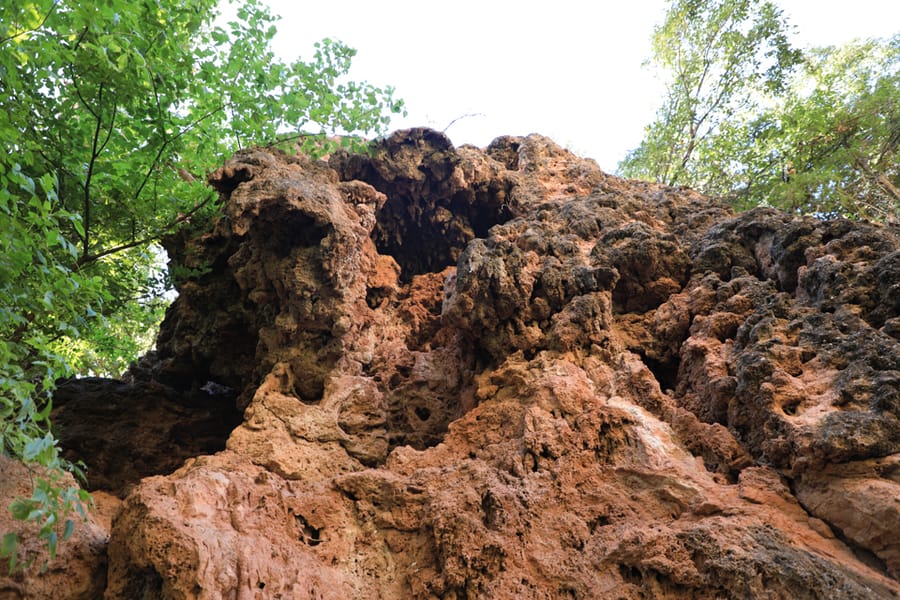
(717, 58)
(750, 119)
(111, 114)
(830, 146)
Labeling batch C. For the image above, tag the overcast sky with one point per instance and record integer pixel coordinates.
(571, 70)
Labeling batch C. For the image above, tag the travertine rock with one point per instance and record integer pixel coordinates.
(505, 374)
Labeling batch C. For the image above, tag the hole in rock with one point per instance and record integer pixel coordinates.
(665, 372)
(310, 370)
(598, 521)
(426, 234)
(125, 431)
(308, 534)
(400, 375)
(418, 416)
(631, 574)
(428, 218)
(375, 296)
(310, 390)
(145, 584)
(292, 229)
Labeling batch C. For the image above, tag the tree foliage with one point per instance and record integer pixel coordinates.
(111, 114)
(750, 119)
(717, 57)
(830, 146)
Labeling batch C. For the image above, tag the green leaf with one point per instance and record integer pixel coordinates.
(8, 545)
(9, 548)
(69, 529)
(52, 544)
(20, 509)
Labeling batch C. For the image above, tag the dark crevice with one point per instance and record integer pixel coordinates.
(630, 574)
(427, 219)
(125, 431)
(665, 372)
(375, 296)
(293, 229)
(420, 427)
(426, 234)
(145, 584)
(311, 536)
(598, 522)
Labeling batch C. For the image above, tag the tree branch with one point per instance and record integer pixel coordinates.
(459, 118)
(88, 259)
(41, 24)
(112, 122)
(878, 178)
(80, 97)
(165, 144)
(86, 211)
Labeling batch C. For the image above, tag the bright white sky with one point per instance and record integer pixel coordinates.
(568, 69)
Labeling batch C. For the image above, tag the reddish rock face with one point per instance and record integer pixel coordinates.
(502, 373)
(79, 570)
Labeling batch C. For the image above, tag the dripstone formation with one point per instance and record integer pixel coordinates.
(438, 372)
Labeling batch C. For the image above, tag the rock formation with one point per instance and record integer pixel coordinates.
(502, 373)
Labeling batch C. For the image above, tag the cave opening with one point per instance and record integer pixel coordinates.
(435, 203)
(426, 234)
(665, 371)
(124, 431)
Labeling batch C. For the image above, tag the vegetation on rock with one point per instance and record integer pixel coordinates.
(111, 114)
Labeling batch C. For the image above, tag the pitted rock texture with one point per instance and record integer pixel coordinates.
(502, 373)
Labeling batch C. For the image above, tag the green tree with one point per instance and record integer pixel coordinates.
(718, 58)
(111, 113)
(751, 120)
(830, 145)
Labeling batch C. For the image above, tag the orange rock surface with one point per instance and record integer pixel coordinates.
(502, 373)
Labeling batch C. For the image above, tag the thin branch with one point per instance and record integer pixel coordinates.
(86, 216)
(80, 97)
(287, 138)
(890, 145)
(88, 259)
(234, 129)
(166, 143)
(459, 118)
(707, 63)
(112, 122)
(41, 24)
(879, 178)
